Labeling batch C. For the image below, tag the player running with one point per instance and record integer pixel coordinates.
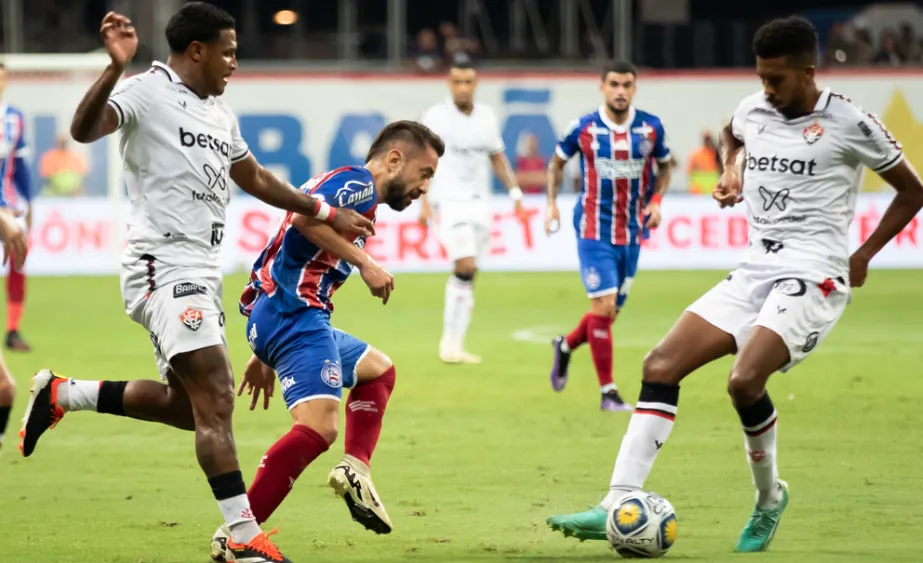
(181, 147)
(16, 193)
(459, 201)
(805, 148)
(620, 200)
(15, 248)
(288, 302)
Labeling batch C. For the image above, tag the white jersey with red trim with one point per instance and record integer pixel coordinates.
(801, 177)
(177, 150)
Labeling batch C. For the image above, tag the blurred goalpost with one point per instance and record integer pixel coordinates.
(73, 73)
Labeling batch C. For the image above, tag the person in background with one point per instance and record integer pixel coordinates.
(704, 167)
(15, 194)
(426, 56)
(62, 170)
(530, 167)
(889, 54)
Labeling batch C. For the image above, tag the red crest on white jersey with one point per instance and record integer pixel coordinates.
(812, 133)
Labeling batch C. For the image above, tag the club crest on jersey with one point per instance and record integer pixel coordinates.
(645, 147)
(813, 133)
(330, 374)
(192, 318)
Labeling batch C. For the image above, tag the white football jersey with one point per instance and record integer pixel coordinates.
(177, 150)
(465, 171)
(801, 177)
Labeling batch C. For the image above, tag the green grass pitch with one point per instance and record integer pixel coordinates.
(473, 459)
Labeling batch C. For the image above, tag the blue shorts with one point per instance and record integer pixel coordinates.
(607, 268)
(313, 359)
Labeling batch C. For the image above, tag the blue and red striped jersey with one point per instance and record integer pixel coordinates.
(618, 172)
(293, 271)
(16, 187)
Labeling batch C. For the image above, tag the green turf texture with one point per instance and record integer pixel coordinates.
(473, 459)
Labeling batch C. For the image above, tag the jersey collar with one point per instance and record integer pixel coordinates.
(823, 100)
(174, 78)
(613, 125)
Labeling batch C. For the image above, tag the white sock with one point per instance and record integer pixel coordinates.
(239, 518)
(607, 387)
(564, 347)
(459, 302)
(761, 456)
(648, 430)
(77, 395)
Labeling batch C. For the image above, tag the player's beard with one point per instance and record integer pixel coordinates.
(395, 195)
(618, 112)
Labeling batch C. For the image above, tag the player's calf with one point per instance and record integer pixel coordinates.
(7, 394)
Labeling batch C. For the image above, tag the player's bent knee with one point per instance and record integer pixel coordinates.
(320, 415)
(745, 385)
(658, 367)
(373, 365)
(465, 269)
(604, 306)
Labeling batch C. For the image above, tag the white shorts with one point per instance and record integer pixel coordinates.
(463, 229)
(181, 312)
(801, 310)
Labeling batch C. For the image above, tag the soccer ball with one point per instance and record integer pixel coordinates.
(641, 525)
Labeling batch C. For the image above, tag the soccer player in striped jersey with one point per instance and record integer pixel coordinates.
(802, 148)
(16, 194)
(288, 305)
(620, 200)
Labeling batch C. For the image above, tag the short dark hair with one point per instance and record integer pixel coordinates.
(618, 67)
(197, 21)
(410, 132)
(793, 37)
(462, 65)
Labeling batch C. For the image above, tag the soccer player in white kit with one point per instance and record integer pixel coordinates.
(805, 148)
(181, 148)
(459, 199)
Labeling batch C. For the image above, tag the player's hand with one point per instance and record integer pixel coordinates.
(727, 192)
(120, 39)
(858, 268)
(426, 213)
(552, 219)
(652, 212)
(258, 377)
(15, 243)
(380, 282)
(349, 222)
(520, 210)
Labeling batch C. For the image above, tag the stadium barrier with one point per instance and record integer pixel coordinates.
(73, 237)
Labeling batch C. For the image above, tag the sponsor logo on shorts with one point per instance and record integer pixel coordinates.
(591, 276)
(791, 286)
(192, 318)
(185, 289)
(330, 374)
(810, 342)
(286, 383)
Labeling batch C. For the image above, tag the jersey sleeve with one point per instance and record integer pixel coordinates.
(132, 98)
(239, 147)
(661, 151)
(870, 143)
(350, 188)
(739, 119)
(568, 143)
(496, 140)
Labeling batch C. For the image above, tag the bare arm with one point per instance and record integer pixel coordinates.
(664, 173)
(504, 171)
(95, 118)
(904, 207)
(554, 177)
(730, 148)
(263, 185)
(329, 240)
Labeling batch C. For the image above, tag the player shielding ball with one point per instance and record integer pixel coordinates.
(288, 303)
(181, 147)
(805, 147)
(459, 199)
(619, 146)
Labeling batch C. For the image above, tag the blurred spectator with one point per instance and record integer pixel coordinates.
(889, 54)
(865, 52)
(426, 56)
(457, 48)
(910, 47)
(530, 167)
(62, 170)
(704, 166)
(839, 49)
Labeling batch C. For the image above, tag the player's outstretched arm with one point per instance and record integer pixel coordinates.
(266, 187)
(904, 207)
(94, 117)
(504, 172)
(380, 282)
(555, 176)
(728, 191)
